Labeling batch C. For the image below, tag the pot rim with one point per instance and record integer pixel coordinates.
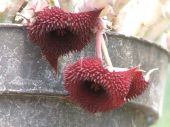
(136, 39)
(141, 40)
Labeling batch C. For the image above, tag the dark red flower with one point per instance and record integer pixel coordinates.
(57, 32)
(138, 85)
(94, 87)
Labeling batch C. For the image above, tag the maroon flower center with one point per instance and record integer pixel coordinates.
(60, 35)
(92, 88)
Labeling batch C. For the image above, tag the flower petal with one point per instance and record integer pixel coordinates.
(94, 87)
(138, 85)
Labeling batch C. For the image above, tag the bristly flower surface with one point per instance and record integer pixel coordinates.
(57, 32)
(94, 87)
(138, 85)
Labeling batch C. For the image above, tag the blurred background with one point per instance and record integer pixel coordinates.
(147, 19)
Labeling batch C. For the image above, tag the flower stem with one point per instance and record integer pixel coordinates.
(99, 40)
(106, 54)
(101, 45)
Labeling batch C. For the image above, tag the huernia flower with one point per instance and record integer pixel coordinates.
(57, 32)
(94, 87)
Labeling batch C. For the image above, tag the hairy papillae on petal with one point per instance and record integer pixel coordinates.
(57, 32)
(94, 87)
(138, 85)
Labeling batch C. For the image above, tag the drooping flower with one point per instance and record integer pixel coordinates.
(57, 32)
(94, 87)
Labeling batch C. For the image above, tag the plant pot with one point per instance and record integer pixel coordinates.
(31, 92)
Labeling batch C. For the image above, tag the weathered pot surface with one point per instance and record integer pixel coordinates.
(25, 72)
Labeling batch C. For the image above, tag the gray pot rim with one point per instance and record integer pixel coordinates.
(109, 33)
